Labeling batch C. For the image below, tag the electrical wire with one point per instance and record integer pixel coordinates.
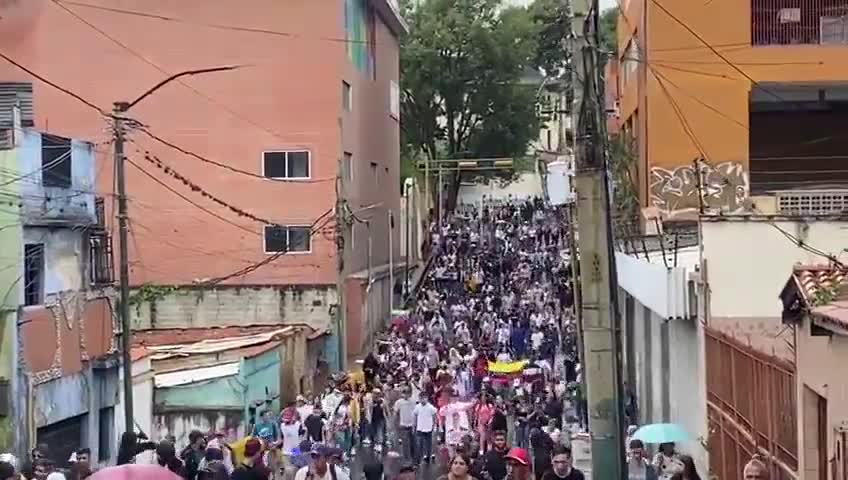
(158, 163)
(204, 159)
(190, 201)
(153, 64)
(252, 268)
(217, 26)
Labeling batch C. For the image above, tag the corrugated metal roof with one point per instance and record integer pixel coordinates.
(185, 377)
(218, 345)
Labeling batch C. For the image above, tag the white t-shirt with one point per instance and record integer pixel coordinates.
(291, 436)
(406, 412)
(536, 339)
(340, 474)
(425, 417)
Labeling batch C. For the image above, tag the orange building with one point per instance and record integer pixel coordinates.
(753, 92)
(315, 99)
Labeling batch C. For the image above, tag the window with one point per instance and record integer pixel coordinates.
(288, 239)
(347, 101)
(292, 164)
(394, 100)
(347, 166)
(376, 174)
(360, 30)
(34, 274)
(55, 161)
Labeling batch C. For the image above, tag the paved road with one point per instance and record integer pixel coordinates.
(391, 464)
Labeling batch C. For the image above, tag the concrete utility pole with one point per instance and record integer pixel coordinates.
(118, 119)
(600, 329)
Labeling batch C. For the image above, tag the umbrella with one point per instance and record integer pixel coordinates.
(661, 433)
(135, 472)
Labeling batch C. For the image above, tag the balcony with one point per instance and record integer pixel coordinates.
(799, 22)
(58, 189)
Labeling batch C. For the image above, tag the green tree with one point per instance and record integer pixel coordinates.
(461, 66)
(609, 28)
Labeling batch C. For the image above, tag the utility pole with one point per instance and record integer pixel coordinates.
(120, 109)
(123, 257)
(600, 329)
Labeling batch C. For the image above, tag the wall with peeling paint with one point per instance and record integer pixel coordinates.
(231, 305)
(65, 257)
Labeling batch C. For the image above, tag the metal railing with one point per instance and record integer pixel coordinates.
(799, 22)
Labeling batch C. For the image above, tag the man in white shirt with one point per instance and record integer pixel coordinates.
(425, 422)
(319, 467)
(405, 414)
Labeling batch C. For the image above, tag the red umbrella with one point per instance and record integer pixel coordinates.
(135, 472)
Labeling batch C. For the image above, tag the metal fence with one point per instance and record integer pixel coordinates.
(799, 22)
(751, 408)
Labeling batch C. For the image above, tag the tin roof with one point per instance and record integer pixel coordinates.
(215, 345)
(184, 377)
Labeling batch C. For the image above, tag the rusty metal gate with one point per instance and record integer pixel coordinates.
(751, 408)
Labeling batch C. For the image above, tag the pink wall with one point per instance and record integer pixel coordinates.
(288, 96)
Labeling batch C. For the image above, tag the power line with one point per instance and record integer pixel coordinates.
(54, 85)
(158, 163)
(165, 72)
(714, 50)
(235, 28)
(204, 159)
(190, 201)
(252, 268)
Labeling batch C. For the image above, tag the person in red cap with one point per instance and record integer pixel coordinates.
(518, 464)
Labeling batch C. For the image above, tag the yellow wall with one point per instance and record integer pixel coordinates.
(712, 96)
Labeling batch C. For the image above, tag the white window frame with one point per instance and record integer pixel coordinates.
(286, 179)
(265, 245)
(394, 100)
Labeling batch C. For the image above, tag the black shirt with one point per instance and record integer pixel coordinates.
(314, 427)
(245, 472)
(573, 475)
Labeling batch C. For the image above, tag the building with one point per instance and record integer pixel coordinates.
(755, 99)
(217, 379)
(814, 305)
(60, 369)
(663, 336)
(315, 97)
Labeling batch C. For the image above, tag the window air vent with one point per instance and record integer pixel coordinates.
(812, 202)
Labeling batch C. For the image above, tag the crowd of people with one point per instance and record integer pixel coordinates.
(479, 379)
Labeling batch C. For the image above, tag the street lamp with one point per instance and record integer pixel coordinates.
(120, 108)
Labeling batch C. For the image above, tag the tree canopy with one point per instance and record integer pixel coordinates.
(467, 88)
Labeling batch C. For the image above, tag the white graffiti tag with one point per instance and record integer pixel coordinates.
(723, 188)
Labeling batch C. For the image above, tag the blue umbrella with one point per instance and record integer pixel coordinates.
(662, 433)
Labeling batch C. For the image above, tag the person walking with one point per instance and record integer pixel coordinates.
(405, 413)
(638, 467)
(425, 422)
(460, 468)
(562, 466)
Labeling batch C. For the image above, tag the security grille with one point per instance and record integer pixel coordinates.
(812, 202)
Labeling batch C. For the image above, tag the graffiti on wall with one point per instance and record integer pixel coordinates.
(723, 188)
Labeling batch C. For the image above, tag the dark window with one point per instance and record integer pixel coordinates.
(100, 258)
(347, 166)
(55, 161)
(33, 274)
(280, 238)
(347, 100)
(376, 174)
(105, 440)
(294, 164)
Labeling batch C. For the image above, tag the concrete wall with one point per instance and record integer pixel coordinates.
(528, 185)
(665, 360)
(231, 305)
(820, 368)
(746, 261)
(11, 268)
(261, 377)
(52, 204)
(65, 257)
(181, 423)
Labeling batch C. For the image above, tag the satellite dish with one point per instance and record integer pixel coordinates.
(18, 18)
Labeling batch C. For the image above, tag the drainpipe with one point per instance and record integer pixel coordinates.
(391, 263)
